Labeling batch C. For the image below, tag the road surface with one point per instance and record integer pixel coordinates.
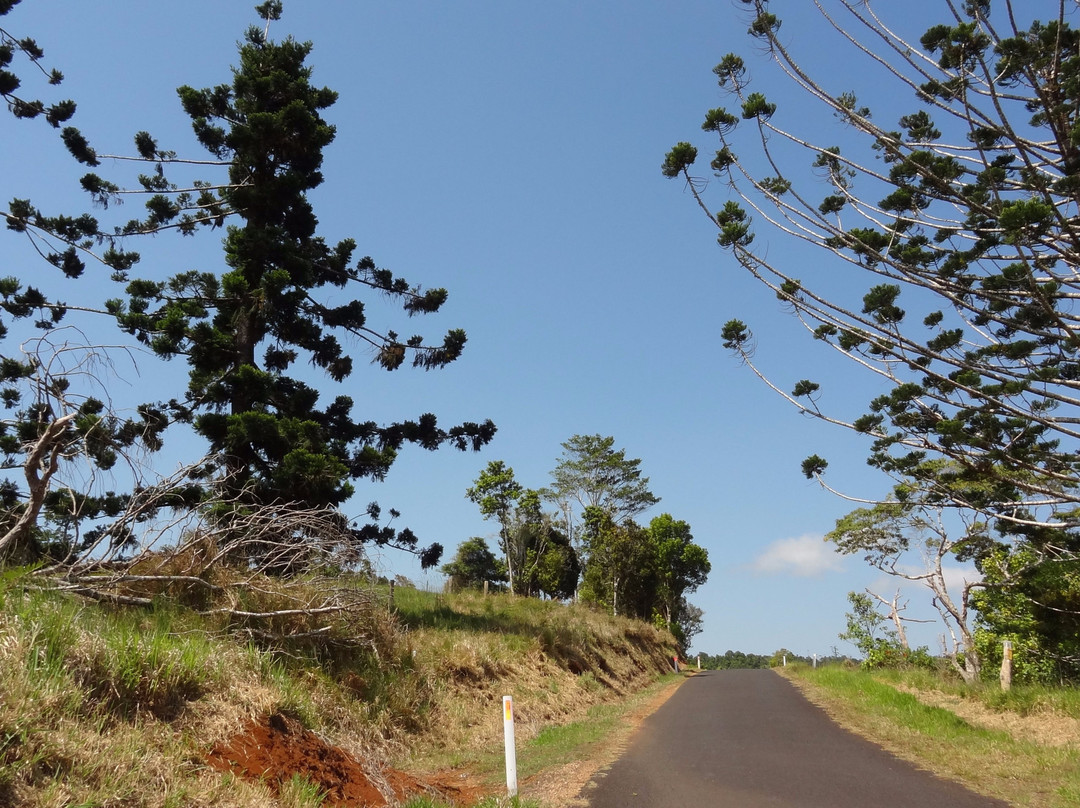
(748, 738)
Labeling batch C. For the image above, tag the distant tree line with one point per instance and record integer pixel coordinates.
(730, 660)
(590, 547)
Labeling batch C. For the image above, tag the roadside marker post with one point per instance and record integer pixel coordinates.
(511, 747)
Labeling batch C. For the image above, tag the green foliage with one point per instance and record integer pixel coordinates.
(631, 570)
(814, 466)
(679, 159)
(268, 124)
(592, 473)
(1034, 604)
(299, 792)
(552, 563)
(538, 558)
(755, 106)
(473, 565)
(242, 330)
(681, 565)
(645, 572)
(957, 213)
(732, 660)
(620, 571)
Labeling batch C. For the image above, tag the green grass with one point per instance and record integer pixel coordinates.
(560, 744)
(102, 704)
(122, 662)
(489, 802)
(1021, 699)
(299, 792)
(991, 762)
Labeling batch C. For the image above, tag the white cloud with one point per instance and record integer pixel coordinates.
(803, 557)
(956, 577)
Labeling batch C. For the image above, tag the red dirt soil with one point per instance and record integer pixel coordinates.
(277, 748)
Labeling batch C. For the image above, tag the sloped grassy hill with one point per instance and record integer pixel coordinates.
(106, 706)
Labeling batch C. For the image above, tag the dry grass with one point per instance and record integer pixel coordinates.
(1001, 757)
(109, 707)
(557, 662)
(1044, 727)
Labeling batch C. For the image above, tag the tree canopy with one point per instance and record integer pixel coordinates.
(950, 194)
(474, 565)
(283, 295)
(537, 557)
(592, 473)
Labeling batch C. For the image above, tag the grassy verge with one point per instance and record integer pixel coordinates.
(105, 705)
(586, 739)
(994, 762)
(558, 662)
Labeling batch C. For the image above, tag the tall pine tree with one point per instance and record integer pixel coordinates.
(243, 330)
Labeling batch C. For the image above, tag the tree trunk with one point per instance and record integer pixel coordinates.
(41, 464)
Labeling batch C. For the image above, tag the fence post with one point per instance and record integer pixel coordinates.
(1006, 665)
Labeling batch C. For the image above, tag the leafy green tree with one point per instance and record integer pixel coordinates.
(881, 647)
(867, 628)
(644, 572)
(555, 567)
(681, 565)
(687, 622)
(593, 474)
(548, 562)
(953, 211)
(539, 559)
(273, 443)
(473, 564)
(496, 491)
(620, 570)
(1030, 602)
(782, 655)
(731, 660)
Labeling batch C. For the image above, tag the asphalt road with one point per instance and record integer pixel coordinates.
(750, 739)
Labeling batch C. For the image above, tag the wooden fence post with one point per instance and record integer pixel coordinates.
(1006, 665)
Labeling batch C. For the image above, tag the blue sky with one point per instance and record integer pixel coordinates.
(511, 153)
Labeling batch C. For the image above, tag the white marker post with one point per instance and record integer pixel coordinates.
(511, 748)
